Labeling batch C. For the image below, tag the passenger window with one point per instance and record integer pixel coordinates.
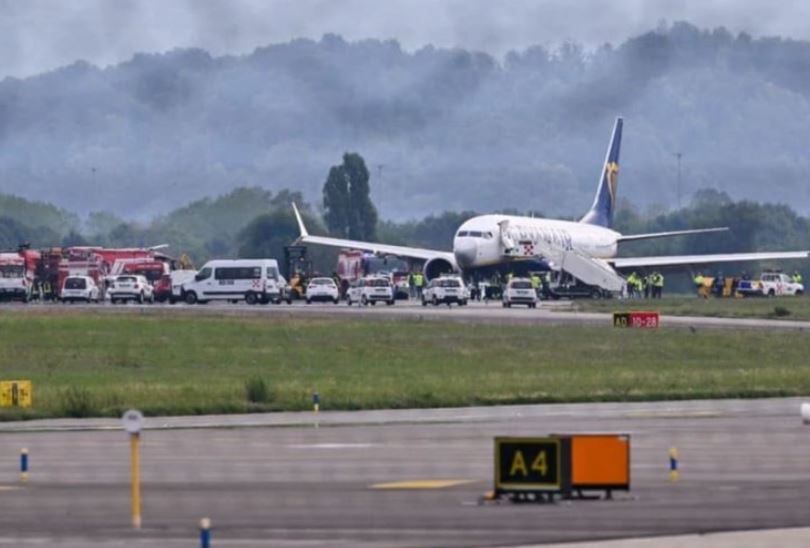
(462, 233)
(203, 274)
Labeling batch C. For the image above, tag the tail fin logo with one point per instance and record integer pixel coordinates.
(612, 178)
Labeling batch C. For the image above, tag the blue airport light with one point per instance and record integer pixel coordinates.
(205, 533)
(24, 465)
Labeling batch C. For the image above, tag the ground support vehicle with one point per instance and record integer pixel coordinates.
(80, 288)
(252, 280)
(519, 291)
(354, 265)
(770, 284)
(371, 290)
(445, 290)
(169, 288)
(131, 287)
(322, 289)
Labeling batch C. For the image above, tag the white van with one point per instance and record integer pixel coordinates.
(251, 280)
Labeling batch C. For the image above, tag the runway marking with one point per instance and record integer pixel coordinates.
(8, 488)
(421, 484)
(330, 445)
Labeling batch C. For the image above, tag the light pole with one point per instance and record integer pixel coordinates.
(679, 155)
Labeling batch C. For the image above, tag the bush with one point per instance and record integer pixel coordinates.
(781, 311)
(78, 403)
(256, 390)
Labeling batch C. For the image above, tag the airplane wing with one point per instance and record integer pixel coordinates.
(686, 260)
(651, 235)
(382, 249)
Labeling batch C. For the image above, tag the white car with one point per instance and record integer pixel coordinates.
(131, 287)
(519, 291)
(322, 289)
(80, 288)
(446, 290)
(770, 284)
(371, 290)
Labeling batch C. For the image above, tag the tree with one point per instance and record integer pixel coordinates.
(348, 210)
(336, 202)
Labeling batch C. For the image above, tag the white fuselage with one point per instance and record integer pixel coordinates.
(485, 240)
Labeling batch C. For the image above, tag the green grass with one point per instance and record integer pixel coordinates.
(785, 308)
(100, 365)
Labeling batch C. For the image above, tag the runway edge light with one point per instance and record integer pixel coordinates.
(805, 410)
(673, 465)
(205, 533)
(24, 465)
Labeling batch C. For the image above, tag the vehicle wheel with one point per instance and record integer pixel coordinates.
(799, 292)
(250, 298)
(191, 298)
(464, 302)
(435, 301)
(140, 298)
(771, 293)
(508, 305)
(424, 302)
(289, 300)
(390, 303)
(533, 305)
(336, 301)
(309, 301)
(172, 300)
(503, 304)
(364, 300)
(596, 294)
(112, 301)
(373, 303)
(349, 301)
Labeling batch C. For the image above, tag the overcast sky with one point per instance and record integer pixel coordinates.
(39, 35)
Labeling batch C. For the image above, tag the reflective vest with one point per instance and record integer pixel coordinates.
(699, 280)
(797, 278)
(658, 280)
(535, 281)
(418, 280)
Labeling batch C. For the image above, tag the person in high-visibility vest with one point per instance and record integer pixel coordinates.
(797, 277)
(646, 283)
(698, 281)
(634, 285)
(535, 278)
(418, 282)
(658, 285)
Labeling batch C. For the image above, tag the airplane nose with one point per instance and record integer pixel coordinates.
(466, 251)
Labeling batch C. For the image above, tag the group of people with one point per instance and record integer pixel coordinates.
(651, 285)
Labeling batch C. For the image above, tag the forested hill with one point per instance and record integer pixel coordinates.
(454, 129)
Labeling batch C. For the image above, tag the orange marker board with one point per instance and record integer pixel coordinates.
(600, 461)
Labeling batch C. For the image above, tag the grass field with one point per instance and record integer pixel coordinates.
(93, 365)
(784, 308)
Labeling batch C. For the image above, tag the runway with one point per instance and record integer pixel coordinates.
(297, 479)
(547, 313)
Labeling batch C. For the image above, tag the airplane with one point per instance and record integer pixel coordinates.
(585, 249)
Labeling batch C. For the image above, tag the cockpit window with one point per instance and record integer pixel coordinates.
(488, 235)
(461, 234)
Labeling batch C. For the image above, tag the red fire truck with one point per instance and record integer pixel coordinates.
(353, 265)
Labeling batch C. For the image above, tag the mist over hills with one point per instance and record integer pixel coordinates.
(454, 129)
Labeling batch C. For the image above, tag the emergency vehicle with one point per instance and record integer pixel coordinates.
(770, 284)
(353, 265)
(17, 274)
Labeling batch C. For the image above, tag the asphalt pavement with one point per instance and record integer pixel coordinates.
(301, 479)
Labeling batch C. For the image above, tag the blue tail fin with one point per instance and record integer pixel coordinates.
(604, 204)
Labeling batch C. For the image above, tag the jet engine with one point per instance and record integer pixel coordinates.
(438, 266)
